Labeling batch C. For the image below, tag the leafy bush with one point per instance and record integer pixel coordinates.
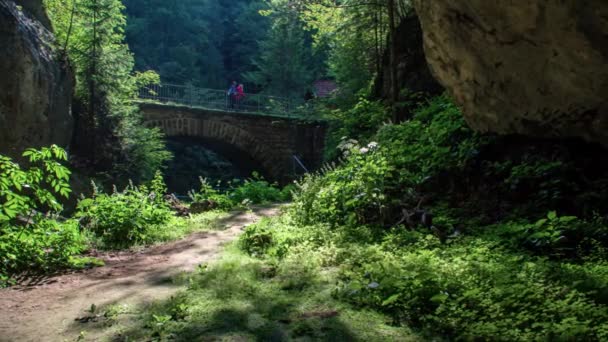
(353, 193)
(473, 289)
(376, 180)
(22, 191)
(255, 190)
(207, 192)
(44, 246)
(30, 240)
(257, 238)
(126, 218)
(362, 120)
(532, 177)
(436, 142)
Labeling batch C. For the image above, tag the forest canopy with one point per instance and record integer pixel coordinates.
(276, 46)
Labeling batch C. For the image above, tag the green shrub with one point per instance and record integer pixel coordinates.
(44, 246)
(22, 191)
(471, 290)
(256, 190)
(376, 180)
(436, 142)
(257, 238)
(353, 193)
(206, 192)
(555, 236)
(126, 218)
(362, 120)
(30, 240)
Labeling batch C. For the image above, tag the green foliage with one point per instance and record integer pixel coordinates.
(517, 279)
(558, 236)
(353, 193)
(375, 180)
(255, 190)
(361, 121)
(351, 35)
(435, 142)
(207, 192)
(110, 137)
(257, 238)
(28, 239)
(24, 190)
(473, 289)
(283, 66)
(43, 246)
(128, 217)
(476, 286)
(204, 43)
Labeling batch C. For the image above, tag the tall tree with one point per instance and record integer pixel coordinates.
(397, 117)
(109, 134)
(285, 65)
(204, 43)
(360, 35)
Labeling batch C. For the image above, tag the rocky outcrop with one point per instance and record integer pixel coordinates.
(412, 69)
(534, 67)
(35, 84)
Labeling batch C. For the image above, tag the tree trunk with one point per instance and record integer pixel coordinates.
(92, 86)
(394, 85)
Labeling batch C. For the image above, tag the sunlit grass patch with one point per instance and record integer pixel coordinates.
(179, 227)
(243, 298)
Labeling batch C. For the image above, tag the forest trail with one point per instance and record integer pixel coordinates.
(58, 308)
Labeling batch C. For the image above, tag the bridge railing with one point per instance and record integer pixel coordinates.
(216, 99)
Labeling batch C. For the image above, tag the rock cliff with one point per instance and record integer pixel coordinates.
(535, 67)
(36, 85)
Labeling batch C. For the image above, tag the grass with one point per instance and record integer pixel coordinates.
(177, 228)
(180, 227)
(240, 298)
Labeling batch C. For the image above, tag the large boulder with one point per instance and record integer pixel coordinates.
(534, 67)
(35, 83)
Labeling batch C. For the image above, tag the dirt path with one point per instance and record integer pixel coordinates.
(47, 310)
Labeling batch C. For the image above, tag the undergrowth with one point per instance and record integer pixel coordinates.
(451, 233)
(30, 240)
(35, 239)
(241, 194)
(478, 286)
(245, 298)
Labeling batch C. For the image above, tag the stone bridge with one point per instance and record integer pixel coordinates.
(258, 142)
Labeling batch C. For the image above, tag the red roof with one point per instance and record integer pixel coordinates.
(324, 88)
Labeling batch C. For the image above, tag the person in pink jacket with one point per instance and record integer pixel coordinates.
(240, 94)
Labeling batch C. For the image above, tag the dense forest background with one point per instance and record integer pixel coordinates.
(210, 43)
(204, 43)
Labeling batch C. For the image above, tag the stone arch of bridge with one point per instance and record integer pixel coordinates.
(225, 139)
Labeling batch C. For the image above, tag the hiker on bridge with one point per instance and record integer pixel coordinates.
(240, 94)
(232, 94)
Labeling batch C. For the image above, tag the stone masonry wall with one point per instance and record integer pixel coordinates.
(269, 140)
